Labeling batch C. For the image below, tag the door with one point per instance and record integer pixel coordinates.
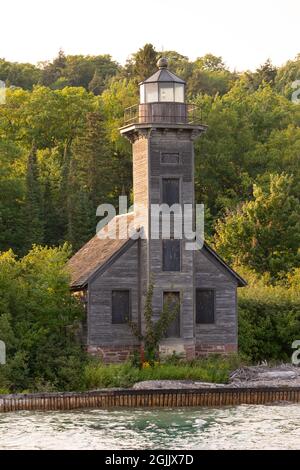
(173, 300)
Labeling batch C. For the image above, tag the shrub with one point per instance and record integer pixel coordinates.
(269, 322)
(213, 369)
(38, 321)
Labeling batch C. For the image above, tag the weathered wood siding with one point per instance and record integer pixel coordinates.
(173, 142)
(122, 274)
(163, 112)
(134, 268)
(210, 275)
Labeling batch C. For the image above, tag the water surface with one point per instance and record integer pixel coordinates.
(240, 427)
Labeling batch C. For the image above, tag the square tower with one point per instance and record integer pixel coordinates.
(163, 176)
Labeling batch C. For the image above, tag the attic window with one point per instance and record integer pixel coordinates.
(120, 306)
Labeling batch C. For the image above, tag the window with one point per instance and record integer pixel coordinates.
(172, 299)
(120, 306)
(171, 255)
(166, 92)
(205, 306)
(179, 93)
(170, 191)
(142, 94)
(151, 90)
(169, 158)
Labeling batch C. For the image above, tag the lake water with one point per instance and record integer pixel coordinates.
(240, 427)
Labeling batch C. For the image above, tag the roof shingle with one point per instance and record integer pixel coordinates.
(98, 251)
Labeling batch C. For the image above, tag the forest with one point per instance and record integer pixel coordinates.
(61, 156)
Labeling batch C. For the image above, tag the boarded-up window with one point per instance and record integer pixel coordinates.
(120, 306)
(170, 191)
(172, 299)
(171, 255)
(205, 306)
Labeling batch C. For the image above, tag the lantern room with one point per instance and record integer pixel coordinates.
(163, 86)
(162, 97)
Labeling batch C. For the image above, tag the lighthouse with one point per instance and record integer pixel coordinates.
(113, 276)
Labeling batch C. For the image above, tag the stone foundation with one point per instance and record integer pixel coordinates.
(118, 354)
(187, 350)
(113, 354)
(203, 349)
(190, 351)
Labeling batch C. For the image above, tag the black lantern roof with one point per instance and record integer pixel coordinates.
(163, 74)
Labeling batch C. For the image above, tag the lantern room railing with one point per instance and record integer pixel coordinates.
(138, 114)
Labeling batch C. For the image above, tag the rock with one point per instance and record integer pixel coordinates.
(277, 375)
(173, 385)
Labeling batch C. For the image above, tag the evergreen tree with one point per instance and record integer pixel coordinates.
(52, 234)
(81, 219)
(97, 84)
(33, 208)
(143, 63)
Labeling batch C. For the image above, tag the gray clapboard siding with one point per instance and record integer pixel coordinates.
(211, 276)
(123, 274)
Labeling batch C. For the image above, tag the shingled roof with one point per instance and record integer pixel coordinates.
(98, 252)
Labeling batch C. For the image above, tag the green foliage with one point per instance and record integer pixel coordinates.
(142, 64)
(39, 319)
(286, 75)
(253, 130)
(155, 330)
(264, 233)
(212, 369)
(19, 75)
(61, 155)
(269, 322)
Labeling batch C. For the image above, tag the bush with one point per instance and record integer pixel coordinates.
(213, 369)
(38, 322)
(269, 322)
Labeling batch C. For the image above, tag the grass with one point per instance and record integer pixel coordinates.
(212, 369)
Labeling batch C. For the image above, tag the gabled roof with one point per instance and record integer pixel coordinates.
(163, 75)
(241, 282)
(99, 252)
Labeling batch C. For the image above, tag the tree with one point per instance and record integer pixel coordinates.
(33, 207)
(97, 84)
(264, 233)
(51, 72)
(266, 73)
(287, 75)
(211, 63)
(39, 318)
(250, 133)
(19, 75)
(93, 166)
(77, 70)
(81, 219)
(11, 195)
(143, 63)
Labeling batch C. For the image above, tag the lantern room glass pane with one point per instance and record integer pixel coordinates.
(151, 93)
(142, 94)
(179, 93)
(166, 92)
